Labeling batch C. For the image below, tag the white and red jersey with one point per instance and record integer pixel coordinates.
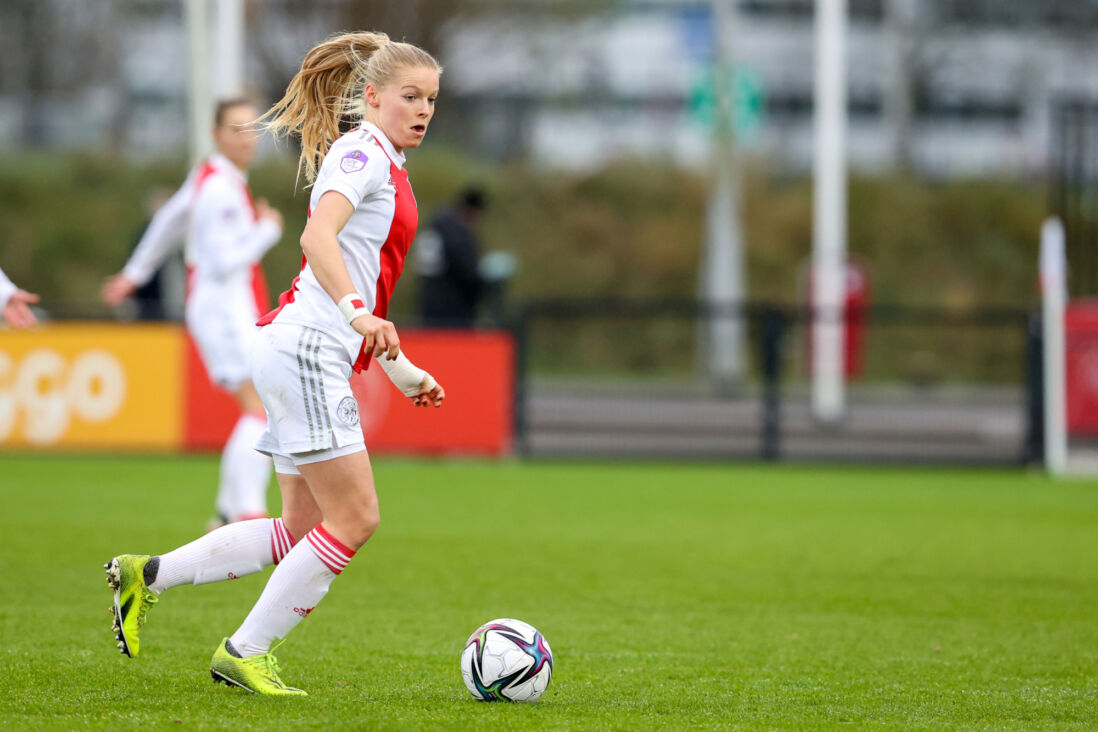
(225, 240)
(365, 168)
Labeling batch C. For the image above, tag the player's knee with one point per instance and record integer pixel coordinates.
(297, 524)
(361, 524)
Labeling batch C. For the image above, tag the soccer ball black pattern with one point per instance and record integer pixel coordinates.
(507, 659)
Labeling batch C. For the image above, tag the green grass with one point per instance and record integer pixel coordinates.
(675, 596)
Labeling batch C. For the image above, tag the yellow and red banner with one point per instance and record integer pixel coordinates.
(92, 386)
(99, 386)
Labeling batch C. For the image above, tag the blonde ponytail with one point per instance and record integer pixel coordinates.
(328, 89)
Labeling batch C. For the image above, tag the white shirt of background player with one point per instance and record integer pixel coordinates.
(220, 247)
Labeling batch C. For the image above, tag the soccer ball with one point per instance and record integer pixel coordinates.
(506, 659)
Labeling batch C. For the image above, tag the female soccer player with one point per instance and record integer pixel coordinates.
(14, 302)
(330, 323)
(229, 234)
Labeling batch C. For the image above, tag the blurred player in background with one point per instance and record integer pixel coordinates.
(228, 235)
(329, 324)
(448, 261)
(14, 304)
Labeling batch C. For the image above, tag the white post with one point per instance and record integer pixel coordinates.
(200, 100)
(1053, 268)
(829, 212)
(722, 278)
(229, 81)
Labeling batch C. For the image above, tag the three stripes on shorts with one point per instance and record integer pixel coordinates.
(312, 389)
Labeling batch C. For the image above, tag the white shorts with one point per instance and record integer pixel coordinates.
(224, 341)
(301, 374)
(289, 465)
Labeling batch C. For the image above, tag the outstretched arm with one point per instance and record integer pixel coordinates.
(14, 302)
(163, 235)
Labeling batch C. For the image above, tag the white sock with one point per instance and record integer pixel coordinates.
(245, 473)
(294, 589)
(233, 551)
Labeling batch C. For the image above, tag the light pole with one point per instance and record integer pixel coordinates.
(829, 212)
(722, 267)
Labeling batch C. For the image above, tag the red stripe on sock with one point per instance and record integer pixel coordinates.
(281, 540)
(329, 554)
(275, 555)
(335, 543)
(324, 555)
(284, 545)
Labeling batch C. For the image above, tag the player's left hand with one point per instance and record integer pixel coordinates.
(116, 289)
(429, 397)
(16, 312)
(265, 211)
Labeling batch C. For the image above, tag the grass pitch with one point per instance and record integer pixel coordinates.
(674, 596)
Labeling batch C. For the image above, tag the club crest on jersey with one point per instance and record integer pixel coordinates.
(353, 161)
(347, 411)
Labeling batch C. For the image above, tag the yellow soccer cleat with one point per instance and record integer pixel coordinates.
(257, 674)
(132, 599)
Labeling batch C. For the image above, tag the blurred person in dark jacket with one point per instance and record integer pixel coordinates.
(447, 261)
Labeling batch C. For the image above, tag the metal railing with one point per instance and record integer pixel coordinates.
(613, 377)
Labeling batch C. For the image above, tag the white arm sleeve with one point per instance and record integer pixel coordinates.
(165, 233)
(405, 375)
(7, 289)
(227, 237)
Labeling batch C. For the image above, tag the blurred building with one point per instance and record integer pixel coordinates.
(111, 75)
(943, 87)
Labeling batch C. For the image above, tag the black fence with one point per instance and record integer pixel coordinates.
(622, 378)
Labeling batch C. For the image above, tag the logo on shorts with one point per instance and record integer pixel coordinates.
(348, 411)
(353, 161)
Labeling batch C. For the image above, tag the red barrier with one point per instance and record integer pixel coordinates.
(476, 368)
(209, 412)
(1081, 365)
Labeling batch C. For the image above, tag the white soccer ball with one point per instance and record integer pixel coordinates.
(507, 659)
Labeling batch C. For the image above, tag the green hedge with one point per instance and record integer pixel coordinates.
(633, 229)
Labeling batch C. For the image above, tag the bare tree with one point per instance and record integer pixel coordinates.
(51, 49)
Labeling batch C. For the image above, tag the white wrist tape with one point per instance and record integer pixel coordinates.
(405, 375)
(353, 306)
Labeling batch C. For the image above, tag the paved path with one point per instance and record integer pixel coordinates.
(965, 426)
